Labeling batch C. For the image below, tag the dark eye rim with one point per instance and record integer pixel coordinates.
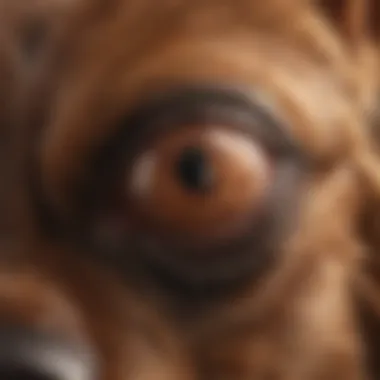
(239, 109)
(202, 261)
(229, 107)
(183, 107)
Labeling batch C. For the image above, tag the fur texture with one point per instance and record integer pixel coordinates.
(311, 313)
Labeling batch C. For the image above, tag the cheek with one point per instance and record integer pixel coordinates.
(28, 300)
(41, 330)
(66, 332)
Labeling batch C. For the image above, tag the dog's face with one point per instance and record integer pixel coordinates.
(196, 179)
(194, 143)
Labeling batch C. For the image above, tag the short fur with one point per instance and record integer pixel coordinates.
(305, 317)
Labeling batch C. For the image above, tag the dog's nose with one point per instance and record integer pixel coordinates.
(32, 355)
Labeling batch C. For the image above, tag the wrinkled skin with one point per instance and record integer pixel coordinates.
(272, 273)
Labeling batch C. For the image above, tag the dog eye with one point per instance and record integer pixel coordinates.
(194, 165)
(199, 181)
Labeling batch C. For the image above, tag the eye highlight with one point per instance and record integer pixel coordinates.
(199, 181)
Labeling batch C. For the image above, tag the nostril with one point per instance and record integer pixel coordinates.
(28, 355)
(23, 374)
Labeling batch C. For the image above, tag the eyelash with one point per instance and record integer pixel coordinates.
(201, 104)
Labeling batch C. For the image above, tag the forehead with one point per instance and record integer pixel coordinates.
(123, 35)
(152, 21)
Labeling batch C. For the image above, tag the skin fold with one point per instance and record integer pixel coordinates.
(269, 270)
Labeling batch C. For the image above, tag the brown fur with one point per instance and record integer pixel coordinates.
(315, 64)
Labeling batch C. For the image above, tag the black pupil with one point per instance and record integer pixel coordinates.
(194, 170)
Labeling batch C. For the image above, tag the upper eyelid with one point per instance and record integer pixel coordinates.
(197, 101)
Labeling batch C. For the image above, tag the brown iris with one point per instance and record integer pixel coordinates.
(200, 182)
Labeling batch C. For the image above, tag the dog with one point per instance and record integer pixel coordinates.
(197, 192)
